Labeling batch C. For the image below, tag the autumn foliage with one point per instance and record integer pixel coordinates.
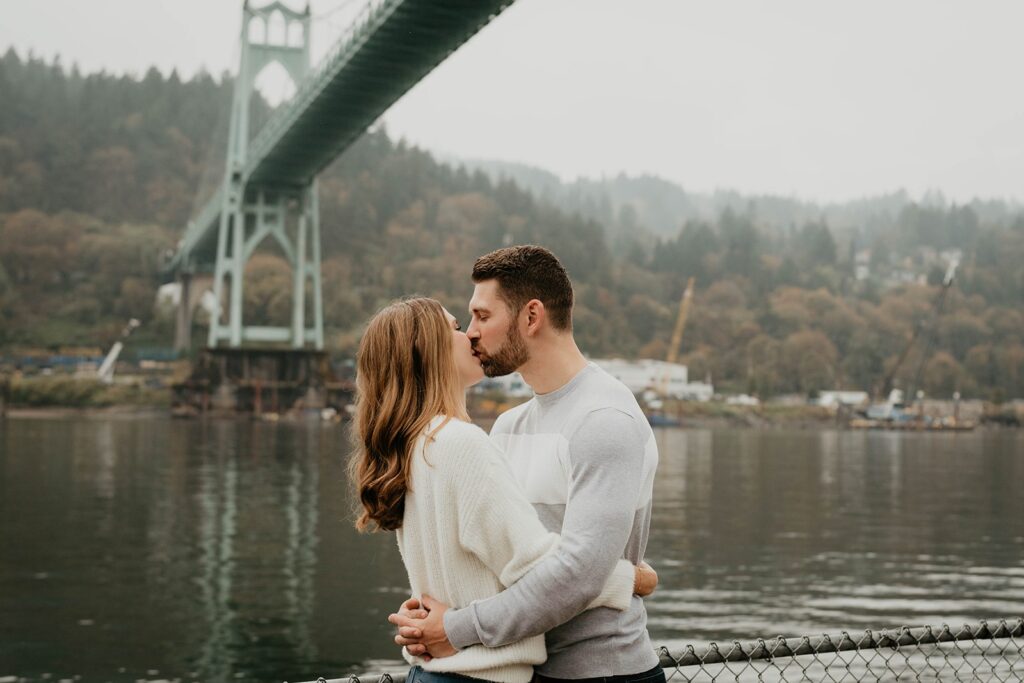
(99, 174)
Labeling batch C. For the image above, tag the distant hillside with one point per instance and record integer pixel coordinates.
(661, 207)
(98, 175)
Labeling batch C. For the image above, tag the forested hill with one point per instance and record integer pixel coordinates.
(99, 173)
(625, 203)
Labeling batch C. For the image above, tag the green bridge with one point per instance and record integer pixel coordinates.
(269, 187)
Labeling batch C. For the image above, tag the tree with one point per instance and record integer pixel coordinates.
(113, 170)
(816, 246)
(981, 364)
(742, 244)
(267, 293)
(942, 375)
(763, 367)
(98, 175)
(959, 331)
(788, 275)
(1009, 361)
(809, 359)
(136, 298)
(7, 302)
(33, 248)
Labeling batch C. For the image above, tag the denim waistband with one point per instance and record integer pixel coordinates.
(655, 675)
(418, 675)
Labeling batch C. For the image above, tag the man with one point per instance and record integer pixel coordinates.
(585, 456)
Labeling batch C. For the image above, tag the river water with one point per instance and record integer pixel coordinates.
(223, 550)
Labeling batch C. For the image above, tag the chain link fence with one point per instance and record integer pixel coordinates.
(972, 652)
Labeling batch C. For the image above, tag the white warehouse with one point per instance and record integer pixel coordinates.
(642, 375)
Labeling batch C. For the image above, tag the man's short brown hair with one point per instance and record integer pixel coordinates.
(529, 272)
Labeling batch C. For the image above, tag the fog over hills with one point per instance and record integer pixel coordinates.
(659, 207)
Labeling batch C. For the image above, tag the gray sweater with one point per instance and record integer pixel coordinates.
(585, 458)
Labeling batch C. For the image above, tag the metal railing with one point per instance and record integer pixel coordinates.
(978, 652)
(970, 653)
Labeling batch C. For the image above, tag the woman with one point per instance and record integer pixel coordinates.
(422, 469)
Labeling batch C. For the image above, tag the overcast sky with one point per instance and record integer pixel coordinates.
(820, 99)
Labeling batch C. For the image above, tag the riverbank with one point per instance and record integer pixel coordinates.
(696, 414)
(769, 415)
(57, 412)
(66, 396)
(28, 395)
(713, 414)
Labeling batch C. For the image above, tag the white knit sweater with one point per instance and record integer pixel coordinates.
(468, 532)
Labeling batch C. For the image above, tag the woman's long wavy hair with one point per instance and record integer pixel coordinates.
(406, 376)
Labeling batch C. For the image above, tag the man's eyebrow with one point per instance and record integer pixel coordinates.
(478, 309)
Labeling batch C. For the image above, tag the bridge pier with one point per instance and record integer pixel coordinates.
(183, 324)
(260, 381)
(192, 288)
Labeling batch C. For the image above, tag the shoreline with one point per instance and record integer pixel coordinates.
(50, 412)
(736, 420)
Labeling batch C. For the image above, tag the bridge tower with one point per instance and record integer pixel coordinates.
(250, 212)
(269, 190)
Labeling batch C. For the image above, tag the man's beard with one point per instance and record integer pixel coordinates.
(506, 360)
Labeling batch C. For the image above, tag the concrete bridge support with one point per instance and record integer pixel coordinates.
(193, 287)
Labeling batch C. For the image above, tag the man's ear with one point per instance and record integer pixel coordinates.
(536, 316)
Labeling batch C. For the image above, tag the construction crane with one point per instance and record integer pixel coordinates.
(886, 386)
(106, 372)
(677, 334)
(947, 282)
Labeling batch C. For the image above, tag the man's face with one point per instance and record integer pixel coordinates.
(494, 332)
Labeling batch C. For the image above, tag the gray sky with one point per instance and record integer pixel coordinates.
(819, 99)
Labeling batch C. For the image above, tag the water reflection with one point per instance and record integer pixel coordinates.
(800, 532)
(218, 487)
(225, 551)
(258, 494)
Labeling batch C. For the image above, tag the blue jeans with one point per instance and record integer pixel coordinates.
(655, 675)
(418, 675)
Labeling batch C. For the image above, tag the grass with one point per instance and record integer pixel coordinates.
(69, 392)
(766, 412)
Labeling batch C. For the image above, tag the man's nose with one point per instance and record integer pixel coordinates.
(472, 331)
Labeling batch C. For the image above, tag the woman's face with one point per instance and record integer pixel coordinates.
(470, 370)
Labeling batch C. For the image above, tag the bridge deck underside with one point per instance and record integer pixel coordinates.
(400, 43)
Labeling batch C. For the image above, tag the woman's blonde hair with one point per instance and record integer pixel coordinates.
(406, 376)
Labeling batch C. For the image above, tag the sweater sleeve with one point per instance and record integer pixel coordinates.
(500, 527)
(604, 482)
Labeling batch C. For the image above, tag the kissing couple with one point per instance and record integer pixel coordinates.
(524, 548)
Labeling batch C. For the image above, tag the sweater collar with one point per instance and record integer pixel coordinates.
(561, 392)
